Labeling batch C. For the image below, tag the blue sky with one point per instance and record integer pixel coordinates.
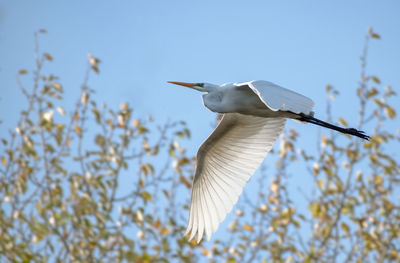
(301, 45)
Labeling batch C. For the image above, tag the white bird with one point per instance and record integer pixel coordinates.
(254, 114)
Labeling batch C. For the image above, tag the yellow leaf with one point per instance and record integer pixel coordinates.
(316, 168)
(320, 183)
(315, 209)
(328, 88)
(378, 102)
(164, 231)
(48, 56)
(3, 161)
(78, 129)
(48, 116)
(94, 62)
(324, 141)
(239, 212)
(372, 92)
(274, 188)
(95, 68)
(390, 112)
(135, 123)
(342, 121)
(121, 122)
(393, 254)
(353, 155)
(84, 98)
(147, 196)
(375, 35)
(248, 227)
(57, 86)
(147, 169)
(185, 181)
(345, 227)
(157, 224)
(124, 106)
(205, 252)
(367, 145)
(23, 72)
(373, 158)
(76, 116)
(376, 79)
(263, 208)
(377, 139)
(378, 180)
(389, 206)
(183, 161)
(232, 225)
(61, 110)
(142, 129)
(272, 200)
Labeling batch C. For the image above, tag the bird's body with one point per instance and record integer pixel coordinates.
(242, 98)
(255, 113)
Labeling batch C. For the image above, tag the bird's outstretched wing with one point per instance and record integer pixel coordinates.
(279, 98)
(225, 161)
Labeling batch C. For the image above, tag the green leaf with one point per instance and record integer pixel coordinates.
(96, 114)
(100, 140)
(142, 129)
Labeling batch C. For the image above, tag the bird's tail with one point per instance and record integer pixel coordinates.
(351, 131)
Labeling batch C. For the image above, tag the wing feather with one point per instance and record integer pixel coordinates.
(225, 162)
(279, 98)
(214, 217)
(205, 212)
(221, 187)
(200, 214)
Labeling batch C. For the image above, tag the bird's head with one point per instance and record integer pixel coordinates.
(203, 87)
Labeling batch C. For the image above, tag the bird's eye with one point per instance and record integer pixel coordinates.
(200, 84)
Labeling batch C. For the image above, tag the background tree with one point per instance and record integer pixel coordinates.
(94, 184)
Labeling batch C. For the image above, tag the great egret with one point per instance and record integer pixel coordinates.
(254, 115)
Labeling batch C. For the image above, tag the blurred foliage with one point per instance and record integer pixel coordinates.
(93, 184)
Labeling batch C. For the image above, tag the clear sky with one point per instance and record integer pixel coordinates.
(301, 45)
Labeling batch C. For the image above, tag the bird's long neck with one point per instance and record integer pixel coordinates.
(214, 101)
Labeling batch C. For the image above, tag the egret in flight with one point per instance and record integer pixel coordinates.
(254, 114)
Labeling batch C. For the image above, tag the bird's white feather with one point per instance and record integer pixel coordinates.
(225, 162)
(279, 98)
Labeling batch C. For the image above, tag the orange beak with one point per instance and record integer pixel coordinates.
(190, 85)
